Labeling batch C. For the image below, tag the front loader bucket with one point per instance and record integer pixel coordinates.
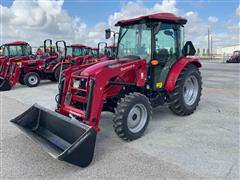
(63, 138)
(4, 85)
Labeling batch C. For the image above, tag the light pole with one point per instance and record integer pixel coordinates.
(211, 48)
(208, 51)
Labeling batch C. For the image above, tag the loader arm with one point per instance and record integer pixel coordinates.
(104, 80)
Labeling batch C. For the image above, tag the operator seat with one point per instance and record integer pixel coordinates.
(162, 56)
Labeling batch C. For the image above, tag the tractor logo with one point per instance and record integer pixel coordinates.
(128, 67)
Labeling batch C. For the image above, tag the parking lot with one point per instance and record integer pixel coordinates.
(203, 145)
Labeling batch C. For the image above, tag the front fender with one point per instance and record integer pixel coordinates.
(177, 69)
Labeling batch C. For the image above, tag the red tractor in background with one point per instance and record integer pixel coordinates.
(235, 58)
(13, 56)
(30, 70)
(19, 65)
(152, 67)
(78, 54)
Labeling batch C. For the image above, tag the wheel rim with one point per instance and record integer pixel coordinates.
(137, 118)
(190, 90)
(33, 80)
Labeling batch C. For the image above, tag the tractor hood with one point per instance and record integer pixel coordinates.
(96, 68)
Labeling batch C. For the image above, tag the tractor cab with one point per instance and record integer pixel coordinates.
(75, 50)
(16, 49)
(158, 39)
(79, 54)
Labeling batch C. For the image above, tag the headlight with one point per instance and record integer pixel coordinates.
(76, 83)
(80, 83)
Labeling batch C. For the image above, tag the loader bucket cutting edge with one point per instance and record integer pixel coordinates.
(4, 85)
(63, 138)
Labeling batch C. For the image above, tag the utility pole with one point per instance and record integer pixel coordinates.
(208, 51)
(211, 48)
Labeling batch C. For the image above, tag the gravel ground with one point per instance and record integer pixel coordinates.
(203, 145)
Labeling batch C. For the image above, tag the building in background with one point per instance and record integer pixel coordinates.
(228, 50)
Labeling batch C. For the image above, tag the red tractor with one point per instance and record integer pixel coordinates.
(152, 67)
(30, 70)
(13, 56)
(79, 54)
(235, 58)
(19, 65)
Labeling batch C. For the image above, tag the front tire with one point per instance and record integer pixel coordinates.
(185, 97)
(132, 115)
(57, 72)
(32, 79)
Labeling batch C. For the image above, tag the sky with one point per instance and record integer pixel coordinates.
(81, 21)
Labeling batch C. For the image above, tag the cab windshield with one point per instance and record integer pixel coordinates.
(16, 50)
(236, 53)
(135, 40)
(75, 51)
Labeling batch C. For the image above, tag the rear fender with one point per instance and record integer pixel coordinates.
(177, 69)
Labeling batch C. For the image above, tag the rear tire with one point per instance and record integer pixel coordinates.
(185, 97)
(32, 79)
(132, 115)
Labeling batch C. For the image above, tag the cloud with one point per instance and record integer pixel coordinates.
(135, 9)
(36, 20)
(238, 11)
(212, 19)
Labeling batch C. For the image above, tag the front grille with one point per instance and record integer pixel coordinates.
(79, 88)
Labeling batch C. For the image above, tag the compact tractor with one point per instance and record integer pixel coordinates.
(79, 54)
(19, 65)
(152, 67)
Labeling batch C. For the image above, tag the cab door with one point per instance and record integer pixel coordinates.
(165, 51)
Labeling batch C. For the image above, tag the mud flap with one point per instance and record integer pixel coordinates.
(4, 85)
(63, 138)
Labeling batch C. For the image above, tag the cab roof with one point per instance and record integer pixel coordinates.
(164, 17)
(16, 43)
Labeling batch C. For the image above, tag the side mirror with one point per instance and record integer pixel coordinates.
(107, 33)
(188, 49)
